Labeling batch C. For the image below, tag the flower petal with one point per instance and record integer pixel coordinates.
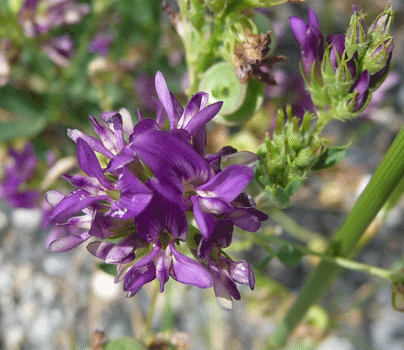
(186, 270)
(90, 164)
(229, 183)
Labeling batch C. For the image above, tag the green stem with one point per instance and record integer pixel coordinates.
(293, 228)
(385, 179)
(152, 308)
(338, 261)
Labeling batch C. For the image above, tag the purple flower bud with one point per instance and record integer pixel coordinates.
(311, 41)
(337, 43)
(361, 87)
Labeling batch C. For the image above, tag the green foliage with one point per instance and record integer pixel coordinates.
(125, 343)
(288, 156)
(289, 256)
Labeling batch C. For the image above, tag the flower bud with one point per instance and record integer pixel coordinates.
(356, 38)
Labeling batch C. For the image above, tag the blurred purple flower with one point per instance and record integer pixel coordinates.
(100, 44)
(60, 50)
(19, 168)
(40, 16)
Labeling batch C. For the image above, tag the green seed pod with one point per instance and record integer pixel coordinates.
(240, 102)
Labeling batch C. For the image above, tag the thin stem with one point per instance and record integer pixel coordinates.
(342, 262)
(292, 227)
(385, 179)
(152, 308)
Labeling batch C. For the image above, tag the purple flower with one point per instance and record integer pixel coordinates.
(100, 44)
(60, 50)
(311, 42)
(38, 17)
(164, 263)
(18, 170)
(141, 189)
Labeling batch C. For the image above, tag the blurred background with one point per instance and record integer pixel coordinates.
(103, 55)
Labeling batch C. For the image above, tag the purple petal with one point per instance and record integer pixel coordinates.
(142, 272)
(203, 117)
(171, 161)
(162, 269)
(115, 119)
(205, 221)
(135, 196)
(312, 19)
(64, 244)
(100, 249)
(241, 272)
(229, 183)
(214, 205)
(72, 204)
(165, 98)
(362, 88)
(186, 270)
(94, 143)
(123, 251)
(162, 215)
(136, 278)
(299, 28)
(90, 164)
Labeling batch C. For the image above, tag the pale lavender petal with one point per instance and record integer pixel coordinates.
(241, 272)
(214, 205)
(162, 269)
(115, 119)
(64, 244)
(165, 97)
(127, 123)
(94, 143)
(100, 249)
(107, 137)
(247, 158)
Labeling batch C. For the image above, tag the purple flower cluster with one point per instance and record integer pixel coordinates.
(137, 196)
(358, 57)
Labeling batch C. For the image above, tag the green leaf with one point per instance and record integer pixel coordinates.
(330, 157)
(125, 343)
(278, 196)
(294, 185)
(110, 269)
(26, 128)
(290, 256)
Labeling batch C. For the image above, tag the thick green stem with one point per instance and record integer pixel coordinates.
(385, 179)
